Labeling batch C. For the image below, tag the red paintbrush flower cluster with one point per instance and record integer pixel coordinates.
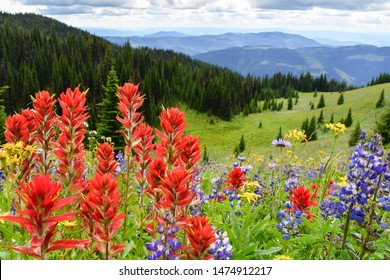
(42, 199)
(176, 190)
(69, 146)
(100, 209)
(130, 100)
(16, 129)
(236, 179)
(105, 158)
(143, 149)
(200, 236)
(46, 119)
(301, 199)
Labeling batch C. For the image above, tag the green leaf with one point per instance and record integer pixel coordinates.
(269, 251)
(127, 249)
(8, 234)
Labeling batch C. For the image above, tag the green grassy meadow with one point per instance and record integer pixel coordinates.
(221, 138)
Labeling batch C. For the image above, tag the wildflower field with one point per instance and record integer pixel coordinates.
(64, 197)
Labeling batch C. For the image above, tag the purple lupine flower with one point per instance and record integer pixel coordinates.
(221, 248)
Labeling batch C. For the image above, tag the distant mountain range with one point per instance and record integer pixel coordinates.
(193, 45)
(357, 65)
(266, 53)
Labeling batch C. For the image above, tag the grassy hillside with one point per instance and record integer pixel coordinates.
(221, 137)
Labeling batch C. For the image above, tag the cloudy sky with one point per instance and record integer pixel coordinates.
(347, 19)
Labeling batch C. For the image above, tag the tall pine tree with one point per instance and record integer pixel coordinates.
(108, 125)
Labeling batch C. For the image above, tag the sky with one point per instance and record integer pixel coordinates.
(347, 20)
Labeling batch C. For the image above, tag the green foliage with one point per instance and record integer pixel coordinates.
(280, 135)
(320, 119)
(290, 103)
(354, 138)
(107, 123)
(381, 102)
(341, 99)
(321, 103)
(3, 115)
(241, 145)
(348, 121)
(383, 126)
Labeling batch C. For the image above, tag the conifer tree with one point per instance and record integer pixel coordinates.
(321, 103)
(312, 133)
(108, 125)
(331, 118)
(348, 121)
(341, 99)
(354, 138)
(381, 101)
(280, 135)
(383, 126)
(290, 103)
(241, 146)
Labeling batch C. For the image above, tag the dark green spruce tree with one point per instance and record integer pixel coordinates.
(321, 103)
(108, 125)
(348, 121)
(341, 99)
(241, 146)
(354, 138)
(381, 100)
(383, 126)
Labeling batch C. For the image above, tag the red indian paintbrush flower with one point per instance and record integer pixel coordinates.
(201, 236)
(143, 148)
(301, 199)
(69, 146)
(42, 198)
(190, 153)
(46, 119)
(29, 163)
(155, 178)
(236, 179)
(16, 129)
(176, 190)
(101, 211)
(105, 158)
(130, 100)
(173, 123)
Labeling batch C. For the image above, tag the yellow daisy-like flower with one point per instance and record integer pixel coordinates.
(338, 128)
(31, 149)
(296, 135)
(68, 226)
(343, 181)
(251, 186)
(283, 257)
(249, 196)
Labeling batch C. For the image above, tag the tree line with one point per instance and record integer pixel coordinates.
(39, 53)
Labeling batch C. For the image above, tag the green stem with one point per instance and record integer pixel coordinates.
(127, 186)
(368, 231)
(346, 226)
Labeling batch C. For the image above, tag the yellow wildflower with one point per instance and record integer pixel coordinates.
(250, 196)
(343, 181)
(296, 135)
(338, 128)
(5, 214)
(68, 226)
(251, 186)
(31, 149)
(283, 257)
